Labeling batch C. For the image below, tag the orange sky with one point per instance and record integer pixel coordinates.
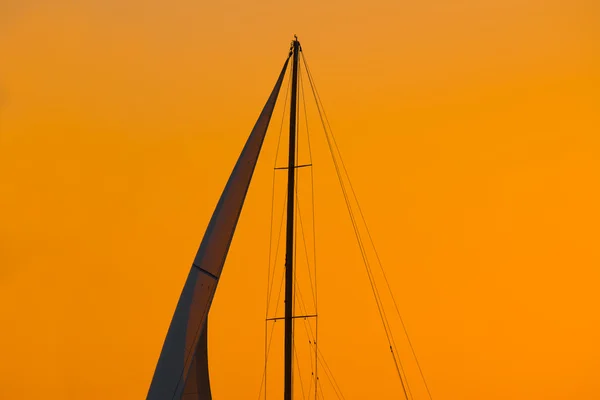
(470, 130)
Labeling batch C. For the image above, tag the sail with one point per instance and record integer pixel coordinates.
(181, 352)
(197, 383)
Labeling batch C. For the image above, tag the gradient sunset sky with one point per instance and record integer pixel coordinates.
(471, 130)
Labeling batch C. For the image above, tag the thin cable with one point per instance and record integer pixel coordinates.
(313, 287)
(312, 184)
(390, 291)
(309, 333)
(277, 248)
(304, 311)
(303, 308)
(269, 277)
(321, 387)
(328, 372)
(389, 336)
(312, 189)
(375, 249)
(299, 373)
(305, 251)
(264, 379)
(273, 192)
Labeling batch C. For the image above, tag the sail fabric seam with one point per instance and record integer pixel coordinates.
(205, 272)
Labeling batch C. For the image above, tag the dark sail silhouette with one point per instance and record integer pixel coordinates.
(182, 368)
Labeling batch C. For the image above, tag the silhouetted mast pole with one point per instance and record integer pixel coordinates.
(289, 252)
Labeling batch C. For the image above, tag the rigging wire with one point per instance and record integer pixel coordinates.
(387, 328)
(372, 243)
(299, 374)
(264, 379)
(310, 162)
(309, 333)
(313, 336)
(319, 357)
(395, 304)
(312, 289)
(277, 303)
(321, 387)
(312, 191)
(269, 277)
(304, 309)
(268, 346)
(304, 242)
(377, 256)
(273, 192)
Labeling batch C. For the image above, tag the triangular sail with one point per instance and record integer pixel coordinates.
(181, 348)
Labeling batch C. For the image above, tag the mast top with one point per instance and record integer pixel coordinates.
(295, 44)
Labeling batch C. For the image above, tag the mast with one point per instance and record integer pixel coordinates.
(289, 248)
